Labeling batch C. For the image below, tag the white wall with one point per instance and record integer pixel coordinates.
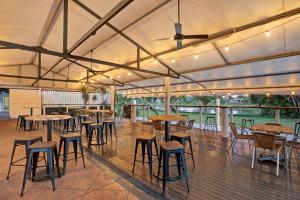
(20, 98)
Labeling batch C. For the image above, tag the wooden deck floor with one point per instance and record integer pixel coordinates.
(217, 175)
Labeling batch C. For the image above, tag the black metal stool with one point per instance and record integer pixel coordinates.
(244, 123)
(110, 124)
(99, 134)
(21, 121)
(166, 150)
(145, 140)
(210, 122)
(50, 149)
(183, 138)
(70, 122)
(26, 141)
(87, 125)
(65, 139)
(81, 118)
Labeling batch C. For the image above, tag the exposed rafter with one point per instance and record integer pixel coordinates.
(220, 53)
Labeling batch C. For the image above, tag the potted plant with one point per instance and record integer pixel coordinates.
(85, 92)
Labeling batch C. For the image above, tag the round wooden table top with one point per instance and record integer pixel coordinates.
(272, 128)
(47, 117)
(167, 118)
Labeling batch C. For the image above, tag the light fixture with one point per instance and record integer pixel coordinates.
(129, 74)
(246, 95)
(92, 81)
(292, 92)
(228, 94)
(200, 93)
(155, 62)
(83, 83)
(268, 94)
(103, 77)
(214, 92)
(119, 76)
(226, 48)
(97, 79)
(196, 56)
(173, 60)
(268, 34)
(111, 77)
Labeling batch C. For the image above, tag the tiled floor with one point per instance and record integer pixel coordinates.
(96, 181)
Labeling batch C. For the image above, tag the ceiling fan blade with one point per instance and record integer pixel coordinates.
(162, 39)
(200, 36)
(179, 44)
(178, 29)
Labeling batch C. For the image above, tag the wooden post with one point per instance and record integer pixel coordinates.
(200, 118)
(231, 115)
(112, 98)
(277, 116)
(167, 95)
(133, 114)
(218, 113)
(224, 121)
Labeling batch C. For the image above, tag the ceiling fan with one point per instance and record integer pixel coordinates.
(178, 37)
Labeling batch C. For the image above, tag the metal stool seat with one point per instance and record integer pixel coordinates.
(210, 123)
(166, 150)
(26, 141)
(65, 140)
(146, 141)
(50, 149)
(183, 138)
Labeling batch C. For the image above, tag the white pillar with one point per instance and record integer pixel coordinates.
(112, 98)
(224, 121)
(200, 118)
(67, 108)
(167, 95)
(277, 116)
(44, 110)
(218, 113)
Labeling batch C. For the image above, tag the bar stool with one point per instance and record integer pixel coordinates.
(210, 123)
(25, 141)
(69, 122)
(87, 125)
(81, 118)
(65, 139)
(50, 149)
(99, 134)
(183, 138)
(146, 141)
(21, 121)
(166, 150)
(109, 123)
(244, 123)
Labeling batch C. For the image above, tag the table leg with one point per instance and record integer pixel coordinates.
(167, 130)
(31, 111)
(49, 130)
(98, 117)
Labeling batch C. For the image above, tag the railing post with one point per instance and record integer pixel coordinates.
(231, 115)
(176, 110)
(67, 108)
(218, 113)
(133, 114)
(200, 117)
(277, 115)
(225, 121)
(143, 112)
(148, 112)
(44, 110)
(98, 107)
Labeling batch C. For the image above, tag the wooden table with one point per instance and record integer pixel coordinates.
(48, 119)
(167, 119)
(272, 129)
(98, 112)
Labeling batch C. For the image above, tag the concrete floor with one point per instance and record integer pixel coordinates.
(96, 181)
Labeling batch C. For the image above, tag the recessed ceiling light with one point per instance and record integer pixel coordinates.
(268, 34)
(111, 77)
(173, 60)
(268, 94)
(293, 92)
(196, 56)
(129, 74)
(119, 76)
(227, 48)
(155, 62)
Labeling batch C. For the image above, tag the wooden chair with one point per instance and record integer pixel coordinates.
(188, 128)
(238, 136)
(267, 141)
(158, 128)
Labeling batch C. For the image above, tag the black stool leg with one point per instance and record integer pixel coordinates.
(192, 153)
(81, 150)
(165, 169)
(115, 128)
(50, 166)
(159, 163)
(149, 152)
(60, 145)
(135, 152)
(75, 149)
(143, 152)
(26, 172)
(35, 159)
(184, 170)
(11, 160)
(57, 161)
(177, 156)
(156, 149)
(110, 128)
(66, 150)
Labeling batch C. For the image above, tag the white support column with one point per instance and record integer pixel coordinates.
(218, 113)
(167, 95)
(231, 115)
(112, 98)
(44, 110)
(67, 108)
(277, 116)
(224, 121)
(133, 114)
(200, 118)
